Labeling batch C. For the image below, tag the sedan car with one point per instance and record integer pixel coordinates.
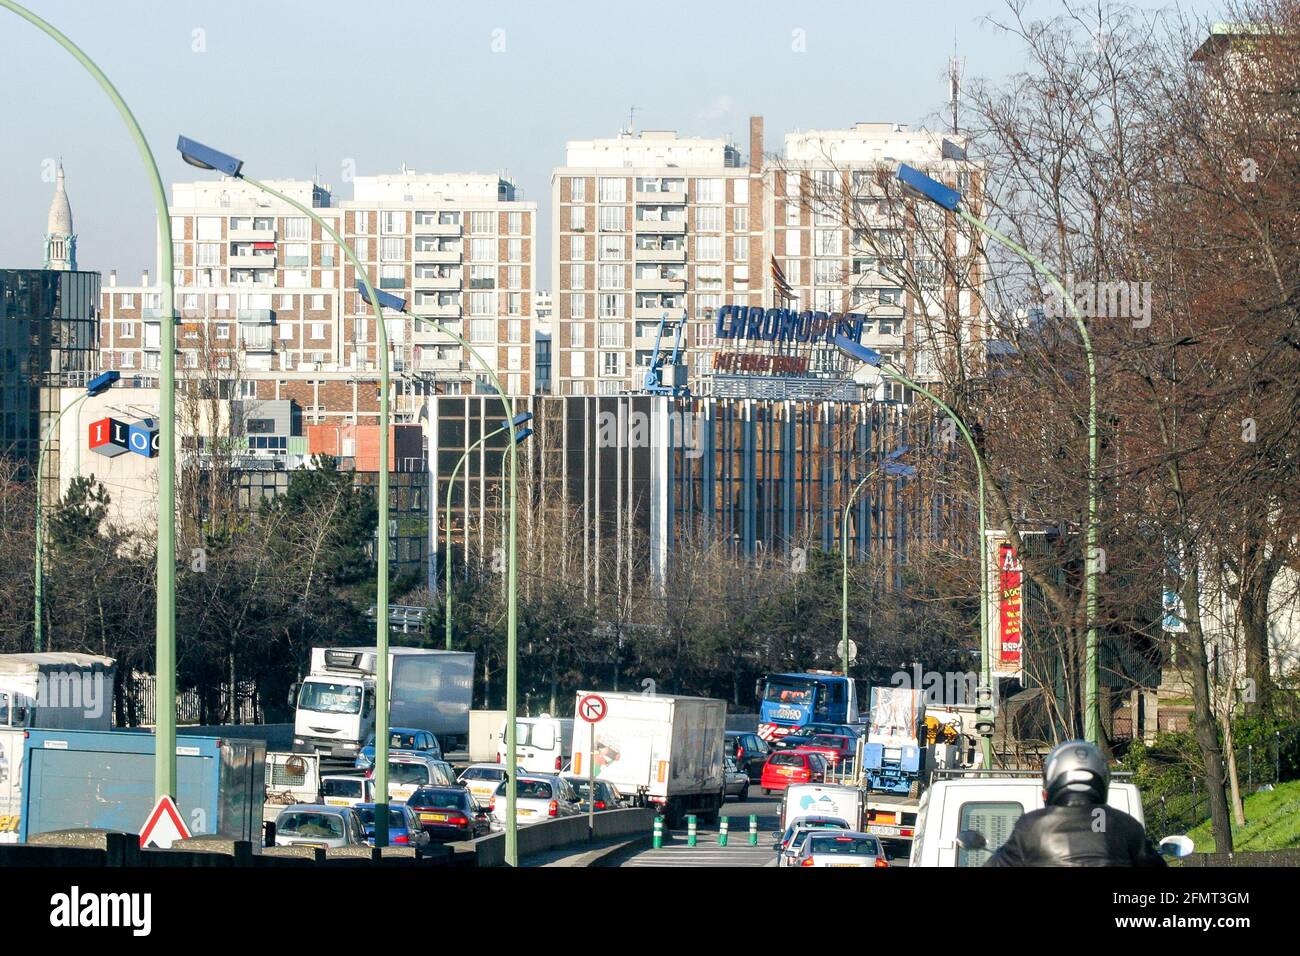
(403, 827)
(607, 797)
(800, 735)
(310, 824)
(409, 772)
(840, 849)
(792, 766)
(401, 739)
(789, 842)
(749, 750)
(449, 813)
(538, 797)
(737, 780)
(836, 748)
(482, 780)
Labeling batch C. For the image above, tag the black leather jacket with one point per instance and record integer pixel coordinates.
(1087, 834)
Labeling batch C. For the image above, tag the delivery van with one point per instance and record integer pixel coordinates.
(542, 744)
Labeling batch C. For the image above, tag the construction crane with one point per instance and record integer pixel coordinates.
(667, 372)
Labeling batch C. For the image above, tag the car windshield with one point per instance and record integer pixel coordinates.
(483, 773)
(326, 825)
(396, 819)
(789, 693)
(825, 740)
(329, 698)
(528, 789)
(406, 773)
(430, 797)
(341, 788)
(788, 760)
(580, 785)
(844, 845)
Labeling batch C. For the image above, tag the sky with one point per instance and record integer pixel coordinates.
(303, 88)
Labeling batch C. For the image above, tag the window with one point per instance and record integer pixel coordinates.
(578, 335)
(611, 335)
(392, 250)
(611, 306)
(706, 306)
(222, 331)
(191, 359)
(705, 334)
(577, 306)
(318, 330)
(126, 300)
(318, 302)
(708, 248)
(578, 247)
(481, 223)
(708, 277)
(482, 250)
(482, 303)
(577, 189)
(791, 214)
(740, 248)
(577, 277)
(994, 821)
(611, 218)
(611, 277)
(708, 190)
(577, 365)
(295, 227)
(792, 184)
(127, 360)
(515, 250)
(708, 219)
(209, 254)
(126, 330)
(515, 223)
(208, 227)
(827, 242)
(514, 331)
(514, 277)
(826, 272)
(740, 219)
(286, 332)
(611, 363)
(392, 222)
(611, 247)
(360, 222)
(482, 277)
(792, 246)
(577, 218)
(362, 248)
(613, 189)
(891, 296)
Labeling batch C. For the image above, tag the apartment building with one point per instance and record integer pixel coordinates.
(268, 307)
(838, 243)
(648, 226)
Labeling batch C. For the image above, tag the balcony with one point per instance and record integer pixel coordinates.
(660, 255)
(437, 228)
(658, 284)
(661, 226)
(251, 235)
(665, 198)
(443, 256)
(445, 283)
(255, 316)
(263, 261)
(440, 312)
(656, 312)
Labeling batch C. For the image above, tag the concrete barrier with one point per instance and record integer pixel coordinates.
(564, 831)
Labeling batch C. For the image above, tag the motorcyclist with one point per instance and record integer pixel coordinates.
(1076, 827)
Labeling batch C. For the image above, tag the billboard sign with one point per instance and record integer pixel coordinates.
(111, 437)
(895, 716)
(1006, 608)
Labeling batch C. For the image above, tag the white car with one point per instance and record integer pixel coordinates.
(791, 841)
(409, 771)
(482, 780)
(840, 848)
(538, 797)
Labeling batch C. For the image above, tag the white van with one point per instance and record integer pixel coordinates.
(990, 803)
(542, 744)
(346, 790)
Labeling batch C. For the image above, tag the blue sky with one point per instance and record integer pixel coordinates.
(296, 87)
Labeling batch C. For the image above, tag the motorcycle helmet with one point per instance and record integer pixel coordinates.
(1075, 772)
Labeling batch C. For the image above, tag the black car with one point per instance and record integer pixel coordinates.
(801, 735)
(449, 813)
(750, 751)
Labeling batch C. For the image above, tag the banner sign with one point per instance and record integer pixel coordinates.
(1010, 595)
(110, 437)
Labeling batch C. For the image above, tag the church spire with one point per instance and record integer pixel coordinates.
(60, 241)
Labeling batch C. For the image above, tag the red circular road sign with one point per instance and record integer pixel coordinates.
(592, 708)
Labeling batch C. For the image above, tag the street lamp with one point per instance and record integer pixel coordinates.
(922, 186)
(873, 358)
(451, 484)
(890, 467)
(165, 564)
(205, 157)
(97, 385)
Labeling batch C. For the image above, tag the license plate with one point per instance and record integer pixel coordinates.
(840, 866)
(886, 831)
(334, 802)
(526, 813)
(784, 771)
(433, 817)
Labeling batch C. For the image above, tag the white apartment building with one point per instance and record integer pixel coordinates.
(268, 303)
(646, 225)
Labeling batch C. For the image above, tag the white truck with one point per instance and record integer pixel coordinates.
(657, 749)
(428, 690)
(53, 690)
(824, 800)
(542, 744)
(485, 728)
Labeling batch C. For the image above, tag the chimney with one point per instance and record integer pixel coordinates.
(112, 277)
(144, 278)
(756, 144)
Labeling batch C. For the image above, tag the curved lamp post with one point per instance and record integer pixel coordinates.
(205, 157)
(940, 195)
(451, 484)
(100, 383)
(165, 608)
(873, 358)
(890, 467)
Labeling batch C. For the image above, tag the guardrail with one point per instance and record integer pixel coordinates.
(564, 831)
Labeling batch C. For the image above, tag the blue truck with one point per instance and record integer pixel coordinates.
(75, 779)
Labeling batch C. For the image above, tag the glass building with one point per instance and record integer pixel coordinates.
(49, 339)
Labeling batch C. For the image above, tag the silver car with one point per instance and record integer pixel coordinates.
(538, 797)
(841, 848)
(737, 780)
(313, 824)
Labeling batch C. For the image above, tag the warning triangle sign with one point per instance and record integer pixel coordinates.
(165, 825)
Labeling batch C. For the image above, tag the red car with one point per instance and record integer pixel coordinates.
(792, 766)
(835, 748)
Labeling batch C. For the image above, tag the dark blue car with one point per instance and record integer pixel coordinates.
(403, 826)
(401, 738)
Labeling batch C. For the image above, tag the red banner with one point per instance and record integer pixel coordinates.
(1010, 576)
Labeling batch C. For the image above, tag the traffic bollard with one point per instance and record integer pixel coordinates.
(723, 825)
(659, 832)
(753, 829)
(690, 830)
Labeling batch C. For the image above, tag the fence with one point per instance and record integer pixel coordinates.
(189, 704)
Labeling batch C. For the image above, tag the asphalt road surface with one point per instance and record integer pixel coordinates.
(706, 851)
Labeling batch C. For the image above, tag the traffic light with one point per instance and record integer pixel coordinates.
(984, 710)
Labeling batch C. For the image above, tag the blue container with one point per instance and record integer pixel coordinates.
(105, 779)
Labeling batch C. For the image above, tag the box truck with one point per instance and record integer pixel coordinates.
(660, 750)
(427, 690)
(485, 728)
(76, 779)
(50, 690)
